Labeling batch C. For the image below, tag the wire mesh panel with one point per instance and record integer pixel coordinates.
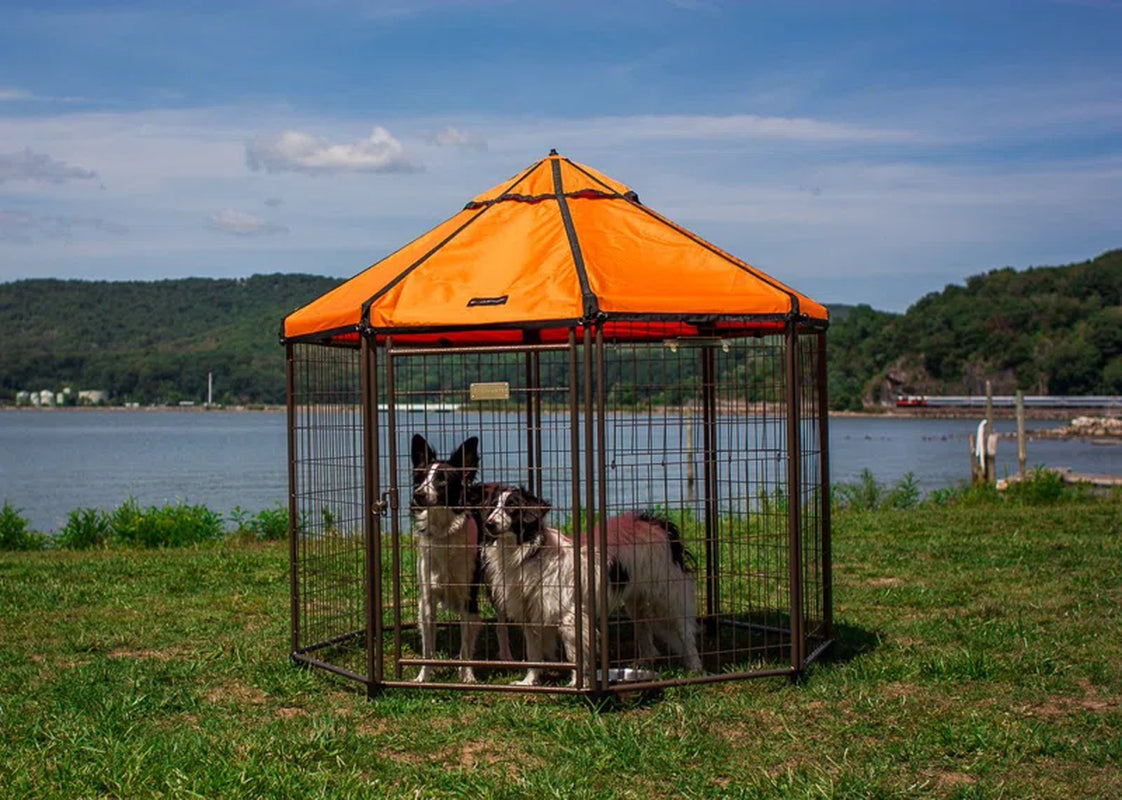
(516, 405)
(326, 507)
(589, 516)
(696, 434)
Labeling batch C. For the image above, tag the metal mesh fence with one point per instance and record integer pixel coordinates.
(660, 473)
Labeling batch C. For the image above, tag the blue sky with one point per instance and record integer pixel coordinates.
(863, 152)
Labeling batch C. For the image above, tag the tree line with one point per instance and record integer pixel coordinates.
(1044, 330)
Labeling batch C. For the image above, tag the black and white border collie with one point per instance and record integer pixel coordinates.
(445, 507)
(530, 569)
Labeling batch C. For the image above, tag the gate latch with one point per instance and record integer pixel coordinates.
(382, 506)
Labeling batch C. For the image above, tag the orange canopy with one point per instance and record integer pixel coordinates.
(558, 247)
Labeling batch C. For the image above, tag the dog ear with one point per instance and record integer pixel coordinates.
(466, 458)
(422, 453)
(534, 508)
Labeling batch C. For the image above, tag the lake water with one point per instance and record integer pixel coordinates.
(52, 462)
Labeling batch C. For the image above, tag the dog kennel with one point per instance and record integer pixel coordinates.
(607, 360)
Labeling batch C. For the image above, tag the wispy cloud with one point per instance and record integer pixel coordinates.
(449, 136)
(752, 126)
(296, 151)
(21, 227)
(241, 223)
(27, 165)
(8, 93)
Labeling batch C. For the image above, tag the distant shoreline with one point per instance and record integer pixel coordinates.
(1003, 413)
(252, 407)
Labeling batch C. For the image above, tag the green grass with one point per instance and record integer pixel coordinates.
(979, 656)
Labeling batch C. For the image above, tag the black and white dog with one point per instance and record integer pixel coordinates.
(530, 568)
(446, 510)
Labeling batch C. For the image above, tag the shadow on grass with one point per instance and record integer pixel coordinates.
(850, 642)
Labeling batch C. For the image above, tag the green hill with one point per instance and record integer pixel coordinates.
(151, 341)
(1044, 330)
(1055, 330)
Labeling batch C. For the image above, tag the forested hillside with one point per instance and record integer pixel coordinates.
(151, 341)
(1055, 330)
(1045, 330)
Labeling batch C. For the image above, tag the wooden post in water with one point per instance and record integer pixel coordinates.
(990, 444)
(975, 468)
(1021, 432)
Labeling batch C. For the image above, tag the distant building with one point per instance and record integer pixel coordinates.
(93, 397)
(23, 398)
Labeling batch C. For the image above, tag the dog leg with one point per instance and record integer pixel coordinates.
(426, 619)
(503, 634)
(428, 636)
(533, 636)
(469, 631)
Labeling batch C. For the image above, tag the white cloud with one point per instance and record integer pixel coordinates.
(296, 151)
(8, 93)
(241, 223)
(27, 165)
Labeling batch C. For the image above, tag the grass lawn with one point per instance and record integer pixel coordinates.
(979, 655)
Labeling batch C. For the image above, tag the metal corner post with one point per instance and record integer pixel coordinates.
(602, 508)
(293, 526)
(710, 478)
(372, 537)
(794, 498)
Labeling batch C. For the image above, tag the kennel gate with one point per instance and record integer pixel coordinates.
(725, 436)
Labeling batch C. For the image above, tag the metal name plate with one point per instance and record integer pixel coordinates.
(499, 390)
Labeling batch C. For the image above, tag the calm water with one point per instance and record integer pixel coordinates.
(56, 461)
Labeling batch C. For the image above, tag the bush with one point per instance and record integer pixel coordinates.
(1040, 487)
(865, 495)
(85, 529)
(170, 526)
(868, 495)
(270, 524)
(14, 533)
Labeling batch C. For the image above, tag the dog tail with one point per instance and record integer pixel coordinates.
(678, 552)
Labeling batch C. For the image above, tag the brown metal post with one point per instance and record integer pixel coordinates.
(372, 532)
(590, 505)
(293, 521)
(395, 532)
(602, 509)
(531, 453)
(574, 460)
(824, 489)
(709, 473)
(537, 385)
(794, 496)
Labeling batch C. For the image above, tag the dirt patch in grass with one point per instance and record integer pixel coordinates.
(234, 692)
(289, 712)
(166, 655)
(879, 583)
(948, 780)
(1064, 705)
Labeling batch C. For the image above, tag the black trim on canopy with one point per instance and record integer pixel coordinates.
(589, 302)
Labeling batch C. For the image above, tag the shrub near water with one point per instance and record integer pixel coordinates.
(85, 529)
(170, 526)
(267, 525)
(14, 533)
